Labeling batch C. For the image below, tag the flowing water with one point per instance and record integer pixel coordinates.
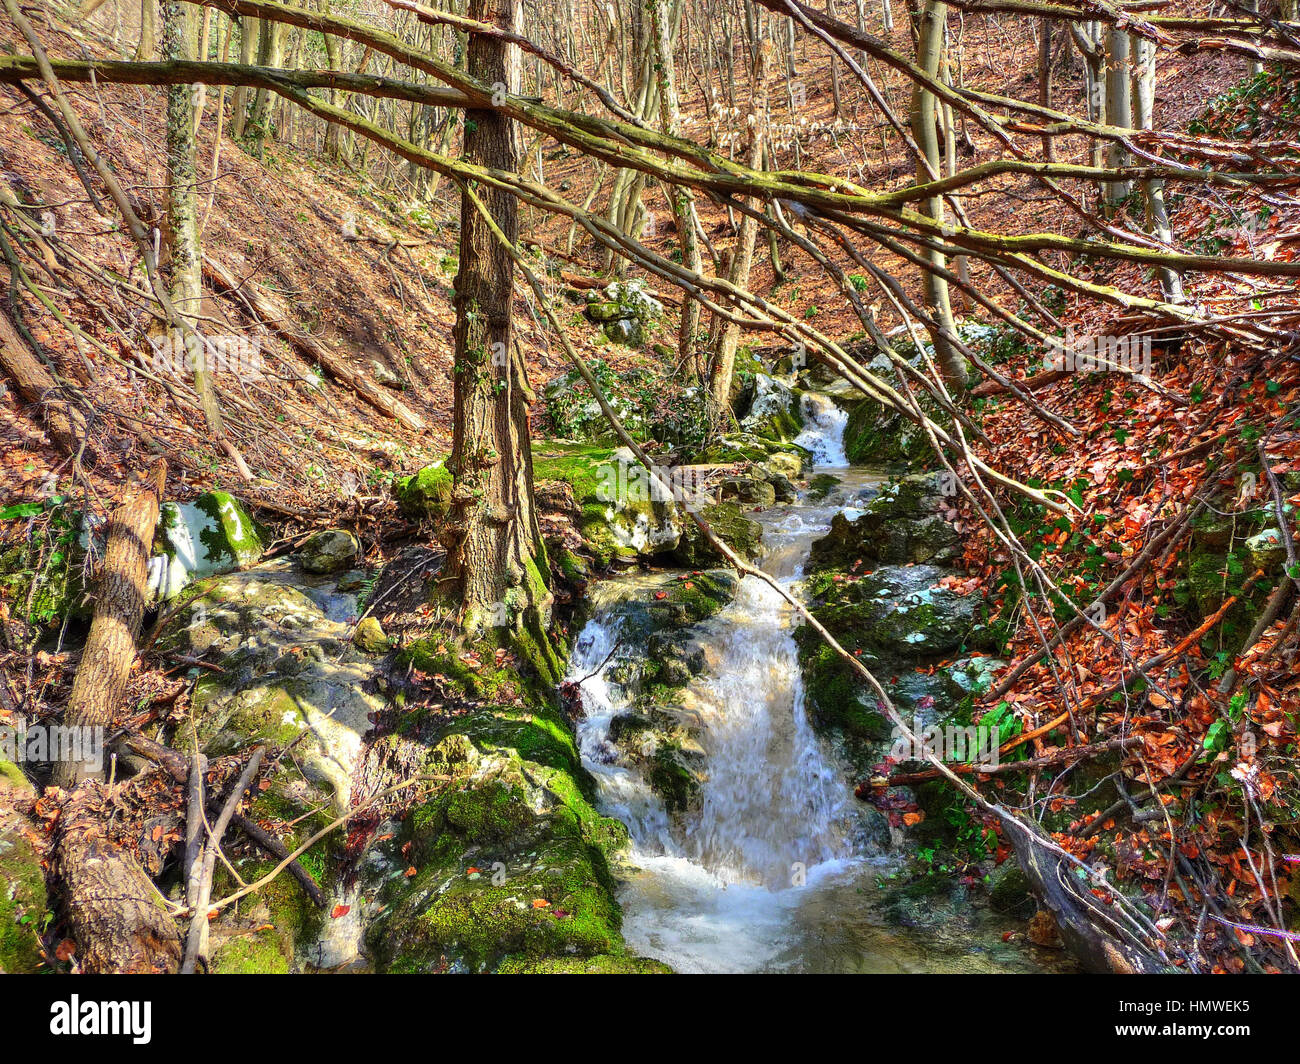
(777, 870)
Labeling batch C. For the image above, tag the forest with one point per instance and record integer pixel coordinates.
(649, 486)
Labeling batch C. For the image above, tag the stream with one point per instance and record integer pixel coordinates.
(778, 870)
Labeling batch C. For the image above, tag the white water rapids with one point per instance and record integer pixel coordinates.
(769, 874)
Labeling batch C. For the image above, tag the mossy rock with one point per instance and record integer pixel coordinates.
(729, 524)
(287, 667)
(900, 613)
(516, 830)
(277, 930)
(603, 964)
(903, 523)
(59, 590)
(426, 495)
(330, 550)
(369, 637)
(1009, 890)
(773, 409)
(24, 908)
(212, 535)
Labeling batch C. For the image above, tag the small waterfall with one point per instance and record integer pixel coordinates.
(720, 889)
(823, 433)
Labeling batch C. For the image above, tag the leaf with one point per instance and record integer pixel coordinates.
(21, 509)
(340, 910)
(541, 903)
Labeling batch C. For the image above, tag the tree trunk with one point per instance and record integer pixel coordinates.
(120, 596)
(148, 33)
(742, 259)
(35, 383)
(114, 912)
(248, 34)
(679, 197)
(184, 268)
(495, 558)
(929, 57)
(1144, 85)
(1119, 108)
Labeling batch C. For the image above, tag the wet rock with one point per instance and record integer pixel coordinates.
(330, 551)
(1010, 892)
(905, 523)
(774, 410)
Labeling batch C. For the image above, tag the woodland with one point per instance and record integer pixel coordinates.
(646, 486)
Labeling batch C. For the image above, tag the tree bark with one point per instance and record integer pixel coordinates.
(63, 422)
(114, 913)
(120, 597)
(742, 259)
(495, 558)
(929, 57)
(185, 277)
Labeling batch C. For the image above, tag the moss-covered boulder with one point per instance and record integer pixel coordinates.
(901, 612)
(330, 550)
(507, 866)
(750, 490)
(729, 523)
(425, 495)
(906, 627)
(211, 535)
(905, 523)
(775, 455)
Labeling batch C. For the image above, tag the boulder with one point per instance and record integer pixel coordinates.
(211, 535)
(331, 550)
(282, 642)
(905, 523)
(427, 494)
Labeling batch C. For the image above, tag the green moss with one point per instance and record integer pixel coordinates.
(729, 524)
(24, 909)
(672, 779)
(426, 494)
(236, 539)
(260, 953)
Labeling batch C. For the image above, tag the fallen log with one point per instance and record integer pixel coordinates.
(115, 915)
(120, 597)
(276, 318)
(63, 422)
